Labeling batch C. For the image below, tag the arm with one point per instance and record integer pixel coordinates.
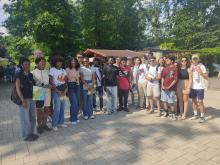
(94, 79)
(18, 90)
(175, 79)
(190, 78)
(53, 85)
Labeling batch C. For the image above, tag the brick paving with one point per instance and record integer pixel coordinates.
(134, 138)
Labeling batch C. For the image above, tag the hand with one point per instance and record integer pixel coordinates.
(24, 104)
(198, 69)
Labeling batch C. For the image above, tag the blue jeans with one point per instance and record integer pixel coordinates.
(28, 118)
(58, 110)
(99, 92)
(87, 103)
(74, 94)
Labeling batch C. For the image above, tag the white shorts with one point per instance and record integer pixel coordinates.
(153, 90)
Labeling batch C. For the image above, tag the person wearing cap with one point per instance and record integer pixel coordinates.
(199, 73)
(168, 82)
(142, 84)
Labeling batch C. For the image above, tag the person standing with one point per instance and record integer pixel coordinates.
(135, 72)
(184, 86)
(99, 85)
(153, 86)
(41, 77)
(87, 76)
(168, 82)
(199, 74)
(24, 87)
(58, 80)
(110, 73)
(73, 78)
(124, 84)
(142, 84)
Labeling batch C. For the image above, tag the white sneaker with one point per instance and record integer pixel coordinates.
(63, 125)
(78, 121)
(54, 128)
(92, 117)
(174, 117)
(194, 117)
(86, 117)
(73, 123)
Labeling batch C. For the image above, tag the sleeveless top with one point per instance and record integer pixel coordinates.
(183, 74)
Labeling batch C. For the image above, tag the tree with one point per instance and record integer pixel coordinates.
(52, 23)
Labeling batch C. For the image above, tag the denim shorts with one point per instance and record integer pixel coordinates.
(197, 94)
(168, 96)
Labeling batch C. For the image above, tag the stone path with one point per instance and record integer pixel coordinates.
(121, 139)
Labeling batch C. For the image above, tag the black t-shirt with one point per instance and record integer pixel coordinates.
(27, 82)
(110, 73)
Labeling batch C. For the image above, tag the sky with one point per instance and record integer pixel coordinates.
(3, 15)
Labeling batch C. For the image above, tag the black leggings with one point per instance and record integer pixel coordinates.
(123, 97)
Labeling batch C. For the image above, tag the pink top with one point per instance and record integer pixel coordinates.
(72, 75)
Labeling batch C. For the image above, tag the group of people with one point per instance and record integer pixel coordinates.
(150, 82)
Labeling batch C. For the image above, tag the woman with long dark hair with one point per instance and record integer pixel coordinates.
(184, 86)
(73, 77)
(58, 81)
(24, 87)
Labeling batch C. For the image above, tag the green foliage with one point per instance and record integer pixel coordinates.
(167, 46)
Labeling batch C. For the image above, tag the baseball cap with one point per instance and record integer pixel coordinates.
(194, 56)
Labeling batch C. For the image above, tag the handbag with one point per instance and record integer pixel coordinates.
(14, 96)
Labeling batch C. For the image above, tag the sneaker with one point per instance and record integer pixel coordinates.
(174, 118)
(147, 108)
(120, 109)
(54, 128)
(183, 117)
(151, 111)
(40, 130)
(86, 117)
(126, 110)
(34, 136)
(73, 123)
(165, 115)
(29, 139)
(194, 117)
(78, 121)
(109, 113)
(92, 117)
(46, 128)
(202, 119)
(63, 125)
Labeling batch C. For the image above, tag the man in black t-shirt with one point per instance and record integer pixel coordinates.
(110, 73)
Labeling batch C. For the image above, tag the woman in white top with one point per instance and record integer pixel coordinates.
(58, 81)
(73, 77)
(87, 76)
(41, 78)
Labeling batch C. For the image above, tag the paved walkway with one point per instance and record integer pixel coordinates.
(120, 139)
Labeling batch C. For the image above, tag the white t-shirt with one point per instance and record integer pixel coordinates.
(58, 76)
(87, 73)
(152, 73)
(41, 76)
(98, 75)
(143, 69)
(135, 71)
(197, 79)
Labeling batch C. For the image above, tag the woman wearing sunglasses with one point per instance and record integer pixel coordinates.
(184, 86)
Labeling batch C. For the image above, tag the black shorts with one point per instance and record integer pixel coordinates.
(197, 94)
